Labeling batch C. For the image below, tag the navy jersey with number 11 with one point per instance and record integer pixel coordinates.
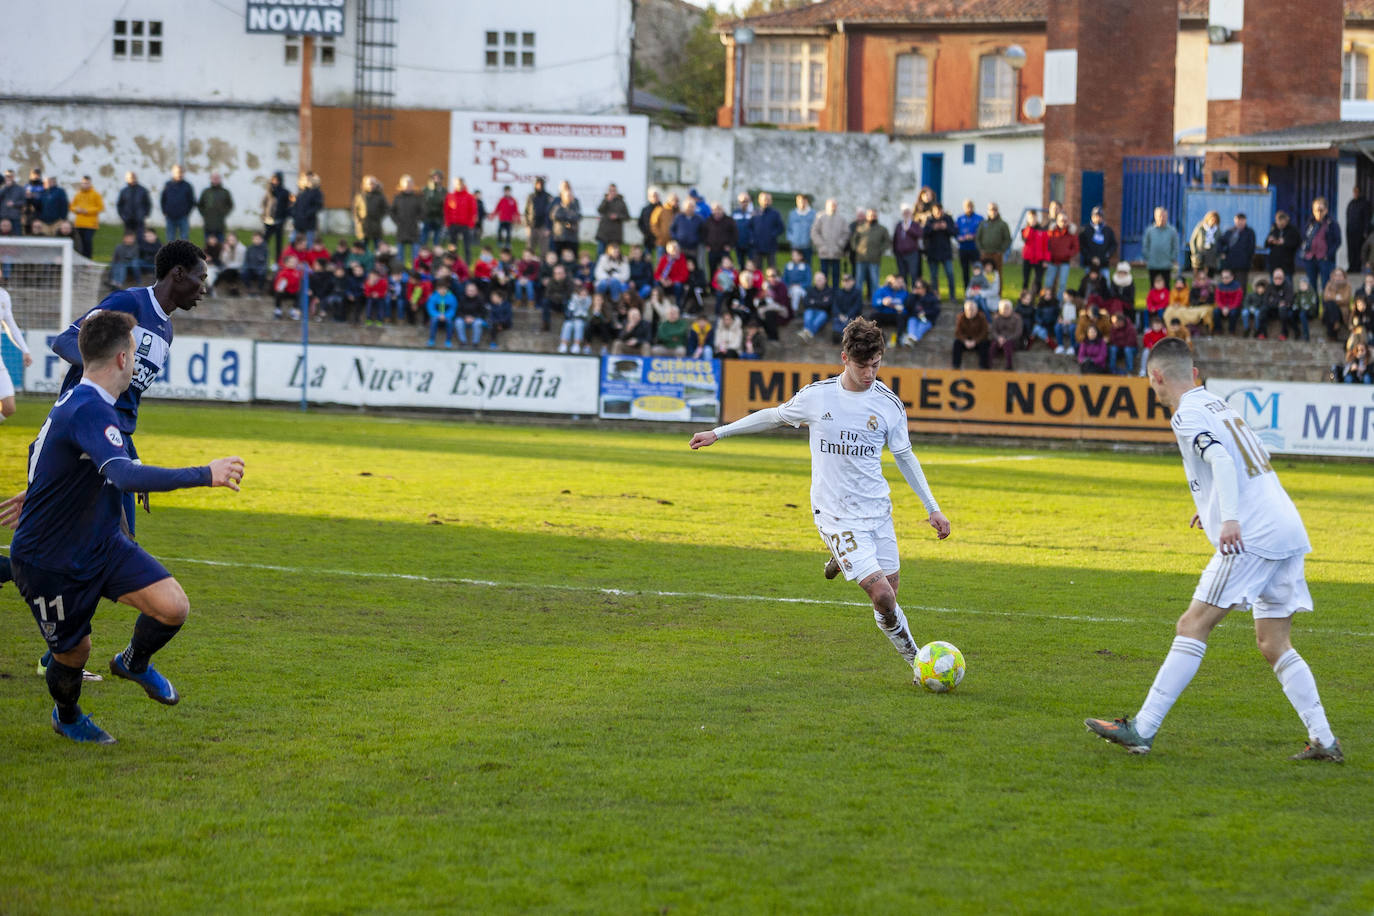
(72, 512)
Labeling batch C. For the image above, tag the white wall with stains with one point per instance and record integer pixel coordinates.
(104, 141)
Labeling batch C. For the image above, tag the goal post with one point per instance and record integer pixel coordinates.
(49, 284)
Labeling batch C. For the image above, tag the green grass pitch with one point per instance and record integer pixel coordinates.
(451, 667)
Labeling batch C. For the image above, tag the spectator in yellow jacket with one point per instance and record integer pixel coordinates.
(86, 208)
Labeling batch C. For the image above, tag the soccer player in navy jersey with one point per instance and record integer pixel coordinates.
(181, 270)
(71, 547)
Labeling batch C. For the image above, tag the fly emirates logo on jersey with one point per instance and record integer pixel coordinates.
(850, 444)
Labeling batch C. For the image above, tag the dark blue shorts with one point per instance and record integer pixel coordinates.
(63, 606)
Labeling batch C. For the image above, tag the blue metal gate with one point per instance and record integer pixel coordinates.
(1315, 177)
(1154, 181)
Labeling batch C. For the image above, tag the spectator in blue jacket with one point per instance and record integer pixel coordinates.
(766, 226)
(442, 307)
(178, 200)
(1320, 239)
(686, 230)
(699, 204)
(849, 304)
(922, 311)
(53, 206)
(796, 274)
(799, 223)
(305, 211)
(743, 215)
(939, 240)
(1238, 250)
(889, 303)
(966, 230)
(134, 204)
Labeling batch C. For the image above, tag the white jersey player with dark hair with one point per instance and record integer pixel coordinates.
(1260, 544)
(17, 336)
(851, 417)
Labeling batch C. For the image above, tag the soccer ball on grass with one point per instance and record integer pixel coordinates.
(939, 667)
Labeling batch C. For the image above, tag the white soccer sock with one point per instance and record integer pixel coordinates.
(899, 634)
(1301, 689)
(1182, 662)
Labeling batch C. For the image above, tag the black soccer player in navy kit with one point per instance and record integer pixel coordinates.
(71, 548)
(181, 270)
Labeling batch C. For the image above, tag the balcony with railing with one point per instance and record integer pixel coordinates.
(910, 117)
(996, 113)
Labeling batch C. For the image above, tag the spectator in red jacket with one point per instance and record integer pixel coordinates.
(297, 249)
(460, 216)
(1229, 297)
(672, 272)
(286, 286)
(1122, 341)
(1035, 251)
(1063, 245)
(1154, 335)
(506, 214)
(375, 289)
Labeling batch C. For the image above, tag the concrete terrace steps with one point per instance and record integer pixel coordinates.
(1221, 356)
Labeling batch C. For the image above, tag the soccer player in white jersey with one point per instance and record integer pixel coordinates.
(16, 335)
(851, 417)
(1260, 543)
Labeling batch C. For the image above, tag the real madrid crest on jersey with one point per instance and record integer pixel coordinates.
(872, 421)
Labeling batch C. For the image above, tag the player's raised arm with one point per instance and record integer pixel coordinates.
(143, 478)
(757, 422)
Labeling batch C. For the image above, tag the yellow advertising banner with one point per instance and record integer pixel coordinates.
(974, 402)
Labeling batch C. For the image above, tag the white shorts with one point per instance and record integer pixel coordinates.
(862, 548)
(1270, 588)
(6, 385)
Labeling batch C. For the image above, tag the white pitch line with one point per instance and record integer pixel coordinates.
(656, 593)
(626, 592)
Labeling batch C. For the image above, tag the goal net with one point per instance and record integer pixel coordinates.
(48, 283)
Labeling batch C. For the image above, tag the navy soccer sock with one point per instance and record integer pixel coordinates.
(64, 683)
(150, 635)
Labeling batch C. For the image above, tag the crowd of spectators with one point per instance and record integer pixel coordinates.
(708, 280)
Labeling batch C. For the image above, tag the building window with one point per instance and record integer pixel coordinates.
(137, 39)
(970, 153)
(996, 91)
(510, 51)
(784, 82)
(324, 50)
(911, 96)
(1354, 76)
(994, 163)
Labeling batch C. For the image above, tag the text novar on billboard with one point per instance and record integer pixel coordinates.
(198, 369)
(1302, 418)
(404, 377)
(489, 150)
(1115, 408)
(296, 17)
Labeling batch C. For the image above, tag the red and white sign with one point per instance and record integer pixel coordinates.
(492, 149)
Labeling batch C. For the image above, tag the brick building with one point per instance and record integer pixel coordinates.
(904, 67)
